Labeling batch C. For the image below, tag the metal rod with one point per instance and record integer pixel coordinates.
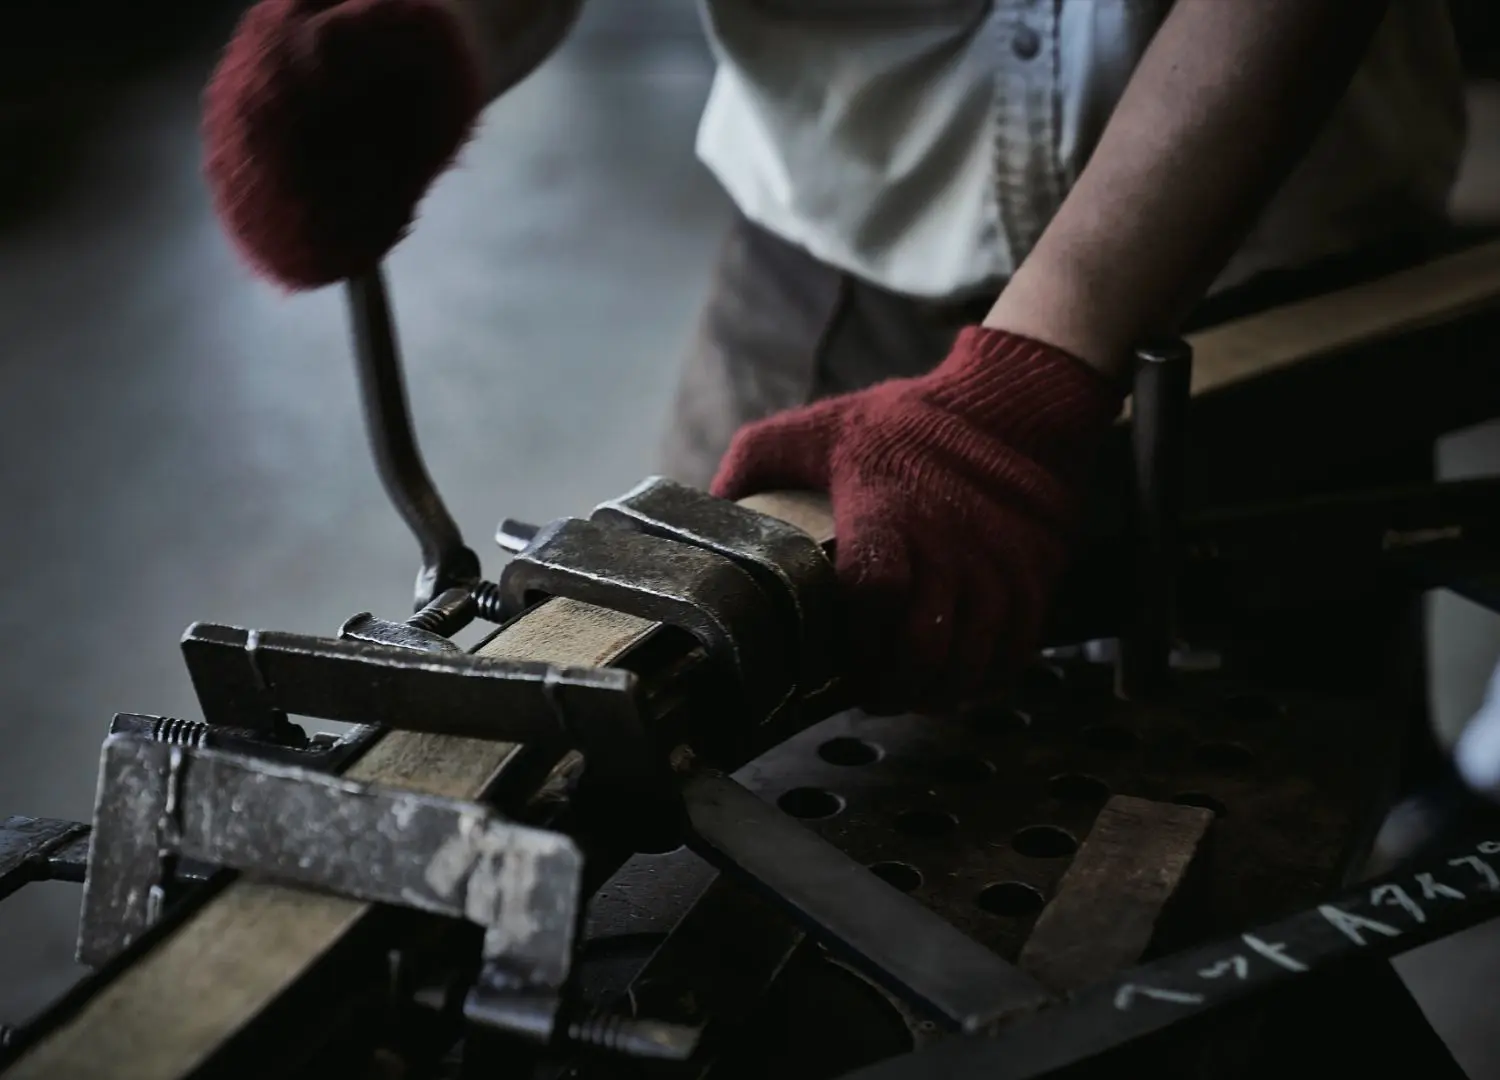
(446, 561)
(1163, 376)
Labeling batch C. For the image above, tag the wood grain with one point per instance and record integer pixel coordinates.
(220, 969)
(1108, 904)
(1435, 292)
(807, 510)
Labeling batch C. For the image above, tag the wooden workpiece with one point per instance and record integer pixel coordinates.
(1344, 321)
(1427, 295)
(222, 967)
(1110, 902)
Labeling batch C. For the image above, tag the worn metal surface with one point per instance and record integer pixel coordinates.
(460, 694)
(1112, 899)
(979, 816)
(891, 938)
(693, 589)
(787, 563)
(159, 802)
(38, 849)
(367, 628)
(1384, 917)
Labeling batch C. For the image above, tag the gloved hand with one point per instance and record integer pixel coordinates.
(955, 496)
(325, 123)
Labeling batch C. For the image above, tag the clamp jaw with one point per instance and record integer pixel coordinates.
(180, 804)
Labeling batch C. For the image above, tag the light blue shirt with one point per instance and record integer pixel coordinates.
(924, 145)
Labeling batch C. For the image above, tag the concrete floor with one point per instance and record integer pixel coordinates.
(185, 444)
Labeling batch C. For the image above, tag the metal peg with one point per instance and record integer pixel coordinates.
(1163, 383)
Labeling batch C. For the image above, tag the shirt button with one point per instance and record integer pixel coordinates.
(1026, 43)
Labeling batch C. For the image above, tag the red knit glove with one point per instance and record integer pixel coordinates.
(954, 496)
(325, 123)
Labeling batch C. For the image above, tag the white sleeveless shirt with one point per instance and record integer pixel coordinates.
(923, 145)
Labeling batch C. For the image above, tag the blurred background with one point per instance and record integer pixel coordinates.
(180, 442)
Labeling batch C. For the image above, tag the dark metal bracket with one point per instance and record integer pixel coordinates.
(249, 675)
(790, 567)
(160, 803)
(446, 561)
(694, 589)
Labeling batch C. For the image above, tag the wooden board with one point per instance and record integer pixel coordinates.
(1109, 902)
(1432, 293)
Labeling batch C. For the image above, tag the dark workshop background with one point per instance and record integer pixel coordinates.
(180, 442)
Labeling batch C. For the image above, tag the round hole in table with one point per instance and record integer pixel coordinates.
(810, 804)
(1010, 899)
(846, 750)
(899, 875)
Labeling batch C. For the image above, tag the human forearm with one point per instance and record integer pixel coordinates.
(1223, 105)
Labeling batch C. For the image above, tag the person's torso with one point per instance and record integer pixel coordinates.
(923, 145)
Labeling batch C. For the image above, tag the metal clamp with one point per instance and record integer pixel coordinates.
(158, 803)
(450, 612)
(442, 693)
(240, 709)
(596, 710)
(790, 566)
(698, 591)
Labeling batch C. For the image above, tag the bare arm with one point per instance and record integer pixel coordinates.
(1227, 99)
